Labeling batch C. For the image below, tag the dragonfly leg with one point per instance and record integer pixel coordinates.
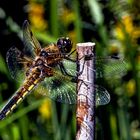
(71, 53)
(70, 59)
(67, 57)
(86, 58)
(63, 70)
(82, 82)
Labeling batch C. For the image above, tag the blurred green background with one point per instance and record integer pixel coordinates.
(114, 25)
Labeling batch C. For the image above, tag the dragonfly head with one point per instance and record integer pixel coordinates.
(64, 44)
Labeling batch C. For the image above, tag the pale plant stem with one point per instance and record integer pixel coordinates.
(85, 112)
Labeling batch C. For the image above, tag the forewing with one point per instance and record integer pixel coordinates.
(109, 66)
(17, 63)
(104, 67)
(31, 45)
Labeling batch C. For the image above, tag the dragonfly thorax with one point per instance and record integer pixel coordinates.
(43, 53)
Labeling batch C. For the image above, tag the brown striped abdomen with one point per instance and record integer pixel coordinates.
(28, 85)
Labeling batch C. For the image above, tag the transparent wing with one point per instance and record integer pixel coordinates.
(31, 45)
(104, 67)
(17, 63)
(71, 67)
(109, 66)
(102, 95)
(64, 91)
(59, 88)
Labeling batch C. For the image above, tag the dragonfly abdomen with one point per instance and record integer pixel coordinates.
(27, 87)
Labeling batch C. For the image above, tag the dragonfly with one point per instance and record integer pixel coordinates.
(50, 70)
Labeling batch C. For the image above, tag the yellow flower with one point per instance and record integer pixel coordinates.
(126, 26)
(38, 22)
(136, 35)
(36, 16)
(36, 8)
(45, 110)
(130, 87)
(68, 16)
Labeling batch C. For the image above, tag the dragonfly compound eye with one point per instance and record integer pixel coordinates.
(64, 44)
